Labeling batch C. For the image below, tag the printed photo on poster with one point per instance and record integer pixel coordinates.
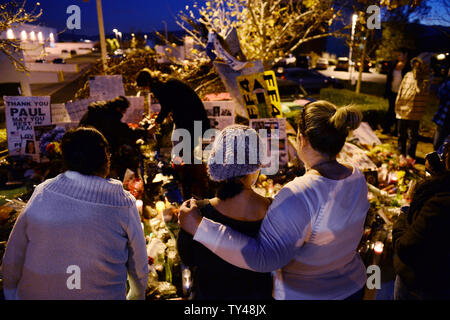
(221, 114)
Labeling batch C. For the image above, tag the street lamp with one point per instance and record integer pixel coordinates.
(165, 28)
(354, 18)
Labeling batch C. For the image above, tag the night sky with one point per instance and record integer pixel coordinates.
(137, 15)
(125, 15)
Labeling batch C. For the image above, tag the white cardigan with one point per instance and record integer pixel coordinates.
(76, 220)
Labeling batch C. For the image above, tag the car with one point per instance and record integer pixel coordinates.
(310, 80)
(342, 64)
(303, 61)
(59, 61)
(39, 60)
(367, 66)
(383, 66)
(73, 52)
(322, 64)
(286, 62)
(290, 90)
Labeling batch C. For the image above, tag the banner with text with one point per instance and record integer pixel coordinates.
(22, 115)
(260, 95)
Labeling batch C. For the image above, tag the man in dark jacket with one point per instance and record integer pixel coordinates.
(185, 106)
(106, 117)
(177, 98)
(396, 72)
(421, 251)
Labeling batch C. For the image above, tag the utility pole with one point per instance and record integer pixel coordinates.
(101, 29)
(363, 58)
(350, 66)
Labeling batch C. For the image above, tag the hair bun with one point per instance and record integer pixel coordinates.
(346, 118)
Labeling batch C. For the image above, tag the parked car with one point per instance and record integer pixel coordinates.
(310, 80)
(290, 90)
(117, 54)
(383, 66)
(367, 66)
(39, 60)
(303, 61)
(286, 62)
(342, 64)
(322, 64)
(59, 61)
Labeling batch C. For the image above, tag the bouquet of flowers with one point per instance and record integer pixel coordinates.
(50, 145)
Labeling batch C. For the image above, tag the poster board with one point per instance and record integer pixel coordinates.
(77, 108)
(59, 113)
(260, 95)
(220, 113)
(135, 111)
(106, 87)
(276, 130)
(228, 77)
(22, 115)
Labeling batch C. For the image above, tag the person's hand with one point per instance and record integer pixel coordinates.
(152, 128)
(189, 216)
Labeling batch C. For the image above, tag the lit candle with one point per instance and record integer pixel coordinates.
(378, 247)
(160, 206)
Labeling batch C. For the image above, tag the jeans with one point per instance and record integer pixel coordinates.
(408, 132)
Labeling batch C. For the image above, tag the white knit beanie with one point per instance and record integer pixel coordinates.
(237, 151)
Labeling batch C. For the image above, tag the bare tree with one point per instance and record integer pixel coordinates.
(267, 29)
(12, 14)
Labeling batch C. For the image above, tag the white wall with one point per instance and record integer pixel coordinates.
(10, 74)
(52, 67)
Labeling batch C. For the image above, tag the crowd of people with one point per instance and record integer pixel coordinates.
(80, 235)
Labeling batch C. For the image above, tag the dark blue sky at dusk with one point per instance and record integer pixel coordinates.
(125, 15)
(137, 15)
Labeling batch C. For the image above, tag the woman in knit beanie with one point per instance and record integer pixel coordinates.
(235, 163)
(310, 233)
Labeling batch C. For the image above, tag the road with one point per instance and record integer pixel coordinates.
(345, 75)
(48, 89)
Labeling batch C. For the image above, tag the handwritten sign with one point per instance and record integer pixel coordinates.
(76, 109)
(106, 87)
(59, 113)
(22, 114)
(260, 95)
(135, 111)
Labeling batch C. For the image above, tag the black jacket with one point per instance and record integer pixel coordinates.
(216, 279)
(108, 122)
(180, 99)
(421, 240)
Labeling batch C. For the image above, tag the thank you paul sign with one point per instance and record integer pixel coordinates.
(22, 114)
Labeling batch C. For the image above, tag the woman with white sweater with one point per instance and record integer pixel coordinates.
(80, 233)
(311, 231)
